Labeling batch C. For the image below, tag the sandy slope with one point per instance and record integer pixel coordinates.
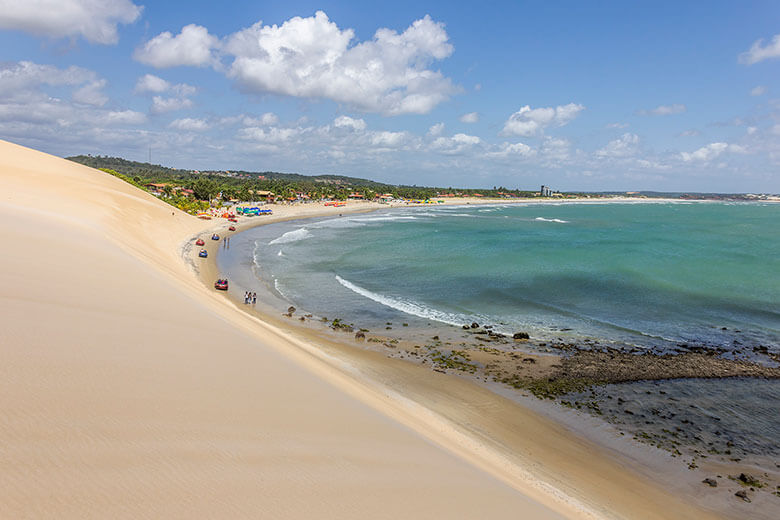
(125, 392)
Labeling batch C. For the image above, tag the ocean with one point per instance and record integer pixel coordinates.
(650, 275)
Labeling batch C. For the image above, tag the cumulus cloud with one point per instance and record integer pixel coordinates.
(151, 83)
(759, 52)
(94, 20)
(193, 46)
(273, 135)
(517, 150)
(456, 144)
(760, 90)
(15, 78)
(91, 93)
(664, 110)
(162, 104)
(267, 119)
(529, 121)
(436, 130)
(125, 117)
(555, 150)
(313, 58)
(711, 151)
(624, 146)
(385, 139)
(471, 117)
(189, 124)
(348, 122)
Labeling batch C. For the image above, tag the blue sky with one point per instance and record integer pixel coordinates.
(671, 96)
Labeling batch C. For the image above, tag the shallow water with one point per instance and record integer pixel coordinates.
(648, 275)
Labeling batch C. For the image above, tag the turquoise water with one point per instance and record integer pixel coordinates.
(650, 274)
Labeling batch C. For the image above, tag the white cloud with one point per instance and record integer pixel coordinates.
(506, 150)
(94, 20)
(760, 90)
(456, 144)
(617, 125)
(189, 124)
(127, 117)
(664, 110)
(711, 151)
(161, 104)
(471, 117)
(312, 58)
(91, 93)
(15, 78)
(529, 121)
(348, 122)
(273, 135)
(436, 130)
(151, 83)
(193, 46)
(624, 146)
(269, 118)
(385, 139)
(555, 150)
(758, 52)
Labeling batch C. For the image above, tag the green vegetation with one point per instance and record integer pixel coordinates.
(243, 185)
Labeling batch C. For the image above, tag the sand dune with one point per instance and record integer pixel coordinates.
(126, 392)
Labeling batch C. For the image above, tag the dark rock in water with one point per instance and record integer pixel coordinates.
(521, 335)
(529, 360)
(360, 335)
(474, 325)
(466, 327)
(436, 337)
(743, 495)
(710, 482)
(748, 480)
(291, 309)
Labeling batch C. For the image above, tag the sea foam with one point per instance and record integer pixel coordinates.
(542, 219)
(291, 236)
(407, 306)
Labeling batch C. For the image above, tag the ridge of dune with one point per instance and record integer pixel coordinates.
(124, 395)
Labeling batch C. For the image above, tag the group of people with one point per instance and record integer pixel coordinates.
(250, 297)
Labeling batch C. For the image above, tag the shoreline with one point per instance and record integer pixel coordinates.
(501, 451)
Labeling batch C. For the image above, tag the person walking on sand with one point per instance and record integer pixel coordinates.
(254, 298)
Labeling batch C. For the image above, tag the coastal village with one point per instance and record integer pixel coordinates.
(198, 191)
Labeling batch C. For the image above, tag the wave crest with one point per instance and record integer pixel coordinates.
(542, 219)
(406, 306)
(291, 236)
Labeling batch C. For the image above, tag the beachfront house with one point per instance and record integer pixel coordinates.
(156, 189)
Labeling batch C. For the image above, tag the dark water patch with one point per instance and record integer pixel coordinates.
(727, 420)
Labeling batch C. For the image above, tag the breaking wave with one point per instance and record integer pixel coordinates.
(406, 306)
(542, 219)
(291, 236)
